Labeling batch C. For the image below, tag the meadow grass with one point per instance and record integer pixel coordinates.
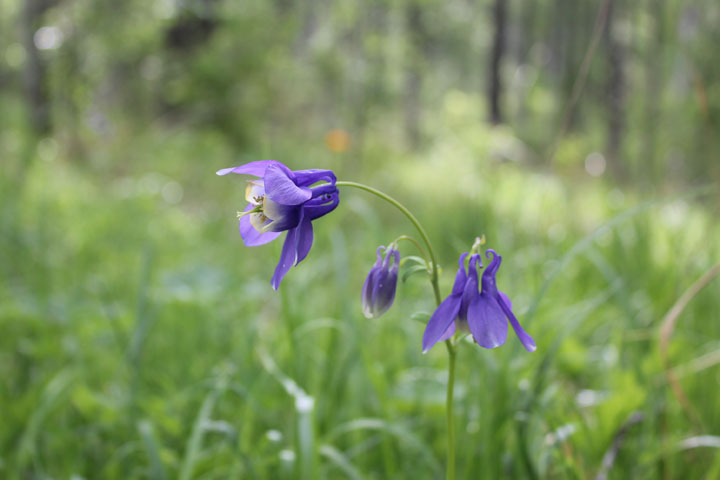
(141, 339)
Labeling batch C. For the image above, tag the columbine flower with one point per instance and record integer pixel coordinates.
(283, 200)
(378, 292)
(484, 313)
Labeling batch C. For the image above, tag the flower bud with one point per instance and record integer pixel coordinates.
(378, 291)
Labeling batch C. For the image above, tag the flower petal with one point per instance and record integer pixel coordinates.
(284, 217)
(366, 295)
(488, 278)
(253, 168)
(460, 277)
(259, 221)
(303, 237)
(470, 289)
(318, 207)
(448, 333)
(383, 293)
(486, 321)
(379, 280)
(524, 337)
(250, 235)
(505, 299)
(287, 258)
(440, 321)
(305, 178)
(281, 188)
(254, 192)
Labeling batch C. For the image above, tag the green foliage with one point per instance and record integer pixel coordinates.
(141, 339)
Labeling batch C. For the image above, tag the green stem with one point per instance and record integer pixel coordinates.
(452, 353)
(436, 289)
(418, 246)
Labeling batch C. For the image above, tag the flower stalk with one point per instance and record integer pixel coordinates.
(452, 353)
(449, 399)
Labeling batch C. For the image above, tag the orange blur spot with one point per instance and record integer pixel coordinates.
(337, 140)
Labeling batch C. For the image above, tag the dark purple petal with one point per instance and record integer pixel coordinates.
(295, 249)
(396, 258)
(250, 235)
(383, 294)
(305, 178)
(281, 188)
(284, 217)
(287, 258)
(448, 333)
(366, 297)
(441, 320)
(366, 300)
(460, 277)
(317, 207)
(505, 299)
(488, 278)
(503, 303)
(471, 287)
(379, 281)
(525, 339)
(303, 238)
(486, 321)
(321, 190)
(253, 168)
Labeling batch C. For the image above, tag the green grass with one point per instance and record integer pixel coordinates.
(140, 339)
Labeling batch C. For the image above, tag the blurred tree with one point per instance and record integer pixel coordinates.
(258, 69)
(653, 84)
(615, 91)
(418, 45)
(190, 31)
(496, 57)
(35, 72)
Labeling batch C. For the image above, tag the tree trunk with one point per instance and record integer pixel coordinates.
(616, 95)
(309, 14)
(35, 71)
(498, 50)
(653, 91)
(413, 73)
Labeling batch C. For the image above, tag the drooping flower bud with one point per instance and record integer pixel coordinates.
(378, 292)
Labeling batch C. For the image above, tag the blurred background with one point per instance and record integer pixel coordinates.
(139, 338)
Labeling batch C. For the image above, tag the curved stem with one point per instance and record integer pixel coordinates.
(436, 289)
(417, 245)
(413, 220)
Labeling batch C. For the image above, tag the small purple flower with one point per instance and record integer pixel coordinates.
(378, 292)
(484, 313)
(284, 200)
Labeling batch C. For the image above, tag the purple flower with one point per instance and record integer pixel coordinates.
(284, 200)
(484, 313)
(378, 293)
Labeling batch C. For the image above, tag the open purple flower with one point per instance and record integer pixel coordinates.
(378, 292)
(284, 200)
(484, 313)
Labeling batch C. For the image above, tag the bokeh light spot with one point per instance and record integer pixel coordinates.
(48, 38)
(337, 140)
(595, 164)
